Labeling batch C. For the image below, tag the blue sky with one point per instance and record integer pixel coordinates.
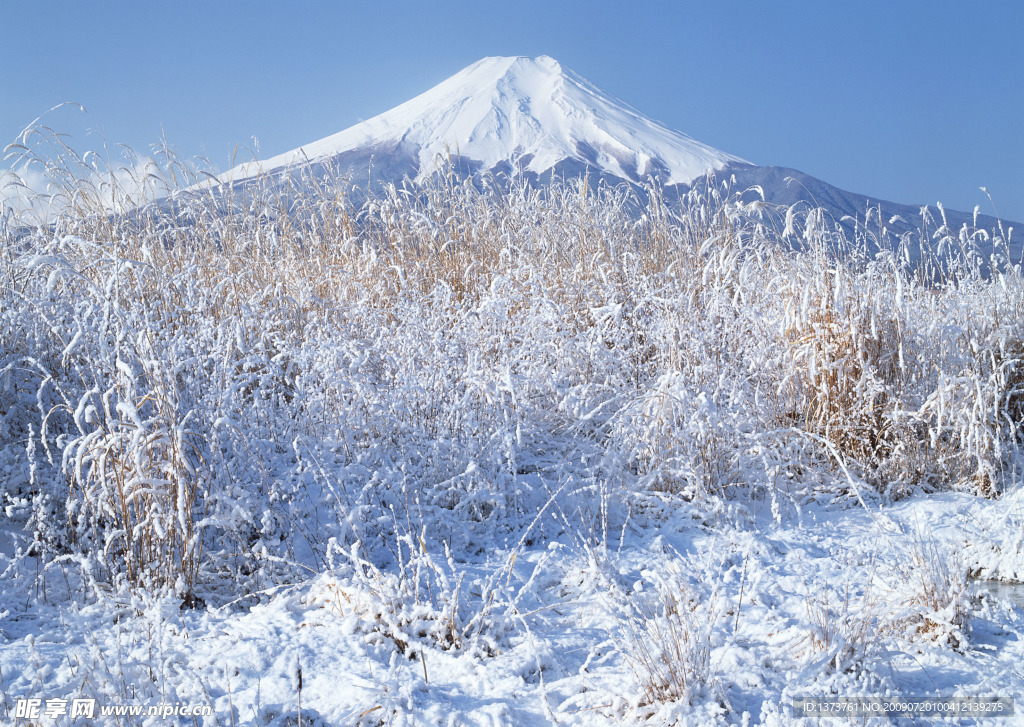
(908, 101)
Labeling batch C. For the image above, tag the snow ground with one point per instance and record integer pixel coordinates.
(560, 654)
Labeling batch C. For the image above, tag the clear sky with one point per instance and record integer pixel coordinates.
(909, 101)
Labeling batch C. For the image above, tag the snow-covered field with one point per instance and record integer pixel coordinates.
(507, 457)
(831, 605)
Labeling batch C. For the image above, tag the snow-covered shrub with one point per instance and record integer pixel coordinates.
(426, 602)
(976, 402)
(933, 591)
(219, 381)
(844, 625)
(845, 351)
(680, 441)
(910, 381)
(669, 645)
(138, 482)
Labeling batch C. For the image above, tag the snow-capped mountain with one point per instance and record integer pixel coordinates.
(534, 117)
(514, 114)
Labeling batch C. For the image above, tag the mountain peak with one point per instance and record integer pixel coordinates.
(513, 113)
(542, 63)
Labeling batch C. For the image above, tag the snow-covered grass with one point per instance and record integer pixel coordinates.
(578, 446)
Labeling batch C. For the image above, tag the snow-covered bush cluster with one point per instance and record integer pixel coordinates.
(222, 392)
(216, 386)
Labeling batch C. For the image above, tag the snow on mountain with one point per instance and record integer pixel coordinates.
(511, 114)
